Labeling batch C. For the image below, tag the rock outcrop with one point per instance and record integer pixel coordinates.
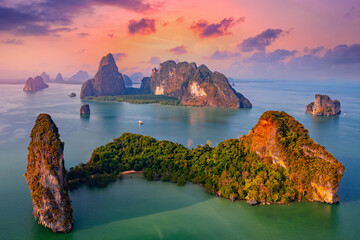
(80, 77)
(72, 95)
(34, 84)
(85, 110)
(46, 177)
(136, 77)
(195, 86)
(323, 106)
(279, 138)
(127, 81)
(45, 77)
(107, 81)
(59, 78)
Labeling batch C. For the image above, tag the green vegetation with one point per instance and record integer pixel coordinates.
(137, 99)
(231, 170)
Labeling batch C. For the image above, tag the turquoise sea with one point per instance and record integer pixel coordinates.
(133, 208)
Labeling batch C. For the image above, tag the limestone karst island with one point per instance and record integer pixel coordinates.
(152, 119)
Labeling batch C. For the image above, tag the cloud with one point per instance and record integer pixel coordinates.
(179, 20)
(205, 29)
(49, 17)
(82, 34)
(353, 13)
(262, 40)
(179, 50)
(111, 35)
(13, 41)
(314, 51)
(272, 57)
(144, 26)
(343, 54)
(223, 55)
(154, 60)
(119, 56)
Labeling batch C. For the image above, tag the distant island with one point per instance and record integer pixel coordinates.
(34, 84)
(277, 162)
(323, 106)
(189, 84)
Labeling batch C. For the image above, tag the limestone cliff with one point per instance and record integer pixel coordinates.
(46, 177)
(323, 106)
(195, 86)
(283, 140)
(34, 84)
(107, 81)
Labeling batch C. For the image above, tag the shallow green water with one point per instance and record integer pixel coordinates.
(134, 208)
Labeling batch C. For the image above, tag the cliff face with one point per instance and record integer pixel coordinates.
(195, 86)
(46, 177)
(145, 87)
(283, 140)
(323, 106)
(33, 85)
(127, 81)
(107, 81)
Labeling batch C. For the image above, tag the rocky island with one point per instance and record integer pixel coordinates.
(46, 177)
(323, 106)
(85, 110)
(34, 84)
(195, 86)
(185, 82)
(277, 162)
(59, 78)
(107, 81)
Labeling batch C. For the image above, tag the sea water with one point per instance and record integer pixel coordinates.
(133, 208)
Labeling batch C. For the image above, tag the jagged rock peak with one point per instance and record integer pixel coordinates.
(46, 176)
(59, 78)
(45, 77)
(107, 81)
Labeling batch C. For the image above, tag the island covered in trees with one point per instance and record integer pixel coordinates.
(276, 162)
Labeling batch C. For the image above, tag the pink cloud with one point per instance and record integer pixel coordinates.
(205, 29)
(179, 50)
(144, 26)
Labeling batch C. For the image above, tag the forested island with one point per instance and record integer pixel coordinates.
(276, 162)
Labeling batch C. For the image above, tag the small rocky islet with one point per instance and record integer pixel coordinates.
(323, 106)
(34, 84)
(85, 110)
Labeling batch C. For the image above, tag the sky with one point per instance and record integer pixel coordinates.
(244, 39)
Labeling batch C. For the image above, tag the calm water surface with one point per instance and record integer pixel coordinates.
(134, 208)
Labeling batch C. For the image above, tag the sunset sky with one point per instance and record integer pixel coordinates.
(245, 39)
